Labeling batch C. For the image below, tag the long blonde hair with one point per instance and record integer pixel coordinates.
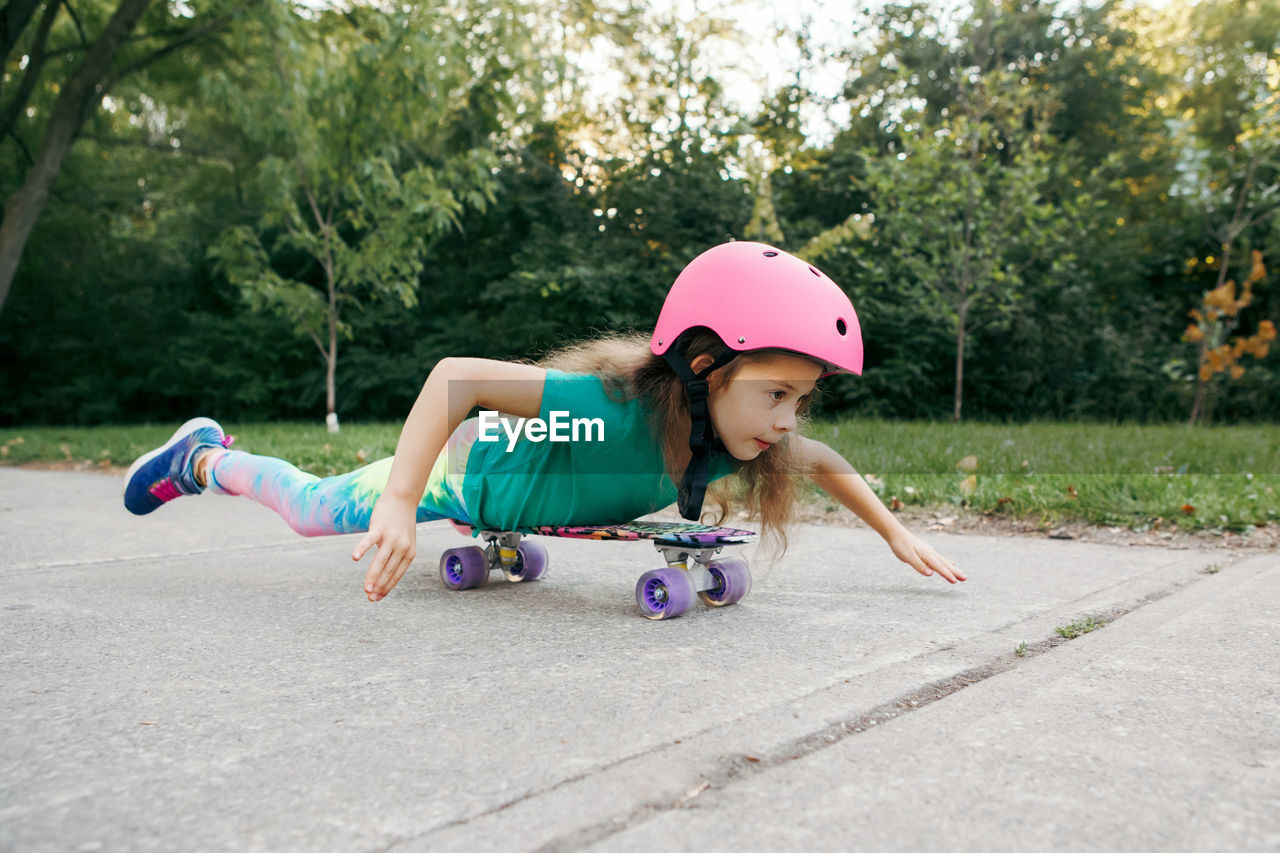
(765, 486)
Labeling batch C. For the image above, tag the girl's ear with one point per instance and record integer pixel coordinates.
(701, 363)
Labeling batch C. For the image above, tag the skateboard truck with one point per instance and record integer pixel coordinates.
(677, 557)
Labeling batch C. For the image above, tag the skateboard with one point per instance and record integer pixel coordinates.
(689, 551)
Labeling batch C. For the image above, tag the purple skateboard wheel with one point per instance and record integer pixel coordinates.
(664, 593)
(464, 568)
(733, 582)
(533, 561)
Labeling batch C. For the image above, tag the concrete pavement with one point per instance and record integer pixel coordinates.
(203, 678)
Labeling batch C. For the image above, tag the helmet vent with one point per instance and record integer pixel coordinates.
(771, 254)
(841, 327)
(815, 272)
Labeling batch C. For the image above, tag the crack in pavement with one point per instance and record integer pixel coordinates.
(741, 768)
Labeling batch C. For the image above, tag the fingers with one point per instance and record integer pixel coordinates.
(368, 541)
(940, 564)
(921, 566)
(389, 565)
(927, 562)
(372, 577)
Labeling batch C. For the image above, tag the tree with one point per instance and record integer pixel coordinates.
(80, 88)
(1215, 321)
(1229, 139)
(376, 132)
(961, 207)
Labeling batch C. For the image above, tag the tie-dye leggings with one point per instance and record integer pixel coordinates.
(319, 507)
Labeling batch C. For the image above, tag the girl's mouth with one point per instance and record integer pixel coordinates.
(763, 445)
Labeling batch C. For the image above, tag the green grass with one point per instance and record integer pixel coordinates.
(1078, 627)
(309, 446)
(1224, 478)
(1133, 476)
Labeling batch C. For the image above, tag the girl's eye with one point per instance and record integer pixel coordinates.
(777, 395)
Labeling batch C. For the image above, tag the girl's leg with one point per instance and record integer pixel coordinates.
(318, 507)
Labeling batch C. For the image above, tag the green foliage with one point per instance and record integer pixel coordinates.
(357, 179)
(458, 176)
(963, 212)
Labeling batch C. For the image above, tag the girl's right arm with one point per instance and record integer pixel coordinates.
(454, 388)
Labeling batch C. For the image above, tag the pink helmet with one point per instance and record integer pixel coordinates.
(757, 297)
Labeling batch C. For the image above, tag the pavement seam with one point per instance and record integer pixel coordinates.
(1139, 601)
(739, 769)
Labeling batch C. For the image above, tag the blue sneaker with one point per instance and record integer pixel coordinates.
(166, 472)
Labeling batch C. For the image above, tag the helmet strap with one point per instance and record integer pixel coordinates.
(702, 439)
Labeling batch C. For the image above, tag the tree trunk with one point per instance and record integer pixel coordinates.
(331, 394)
(82, 92)
(1197, 407)
(1202, 389)
(959, 396)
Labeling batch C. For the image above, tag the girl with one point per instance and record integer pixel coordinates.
(743, 337)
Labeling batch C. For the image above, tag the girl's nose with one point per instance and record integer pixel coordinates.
(786, 422)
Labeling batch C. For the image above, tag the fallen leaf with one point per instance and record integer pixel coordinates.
(895, 504)
(1188, 509)
(1003, 501)
(752, 759)
(362, 456)
(968, 484)
(1072, 493)
(969, 464)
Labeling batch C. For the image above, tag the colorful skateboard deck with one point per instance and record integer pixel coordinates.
(689, 550)
(664, 532)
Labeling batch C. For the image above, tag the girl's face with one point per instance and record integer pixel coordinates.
(758, 405)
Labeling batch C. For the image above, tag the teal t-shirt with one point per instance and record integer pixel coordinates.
(596, 479)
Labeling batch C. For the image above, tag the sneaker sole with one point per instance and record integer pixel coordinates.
(182, 432)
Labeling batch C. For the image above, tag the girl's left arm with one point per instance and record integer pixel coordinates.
(835, 476)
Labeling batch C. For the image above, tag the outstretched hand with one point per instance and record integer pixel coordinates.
(923, 558)
(393, 528)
